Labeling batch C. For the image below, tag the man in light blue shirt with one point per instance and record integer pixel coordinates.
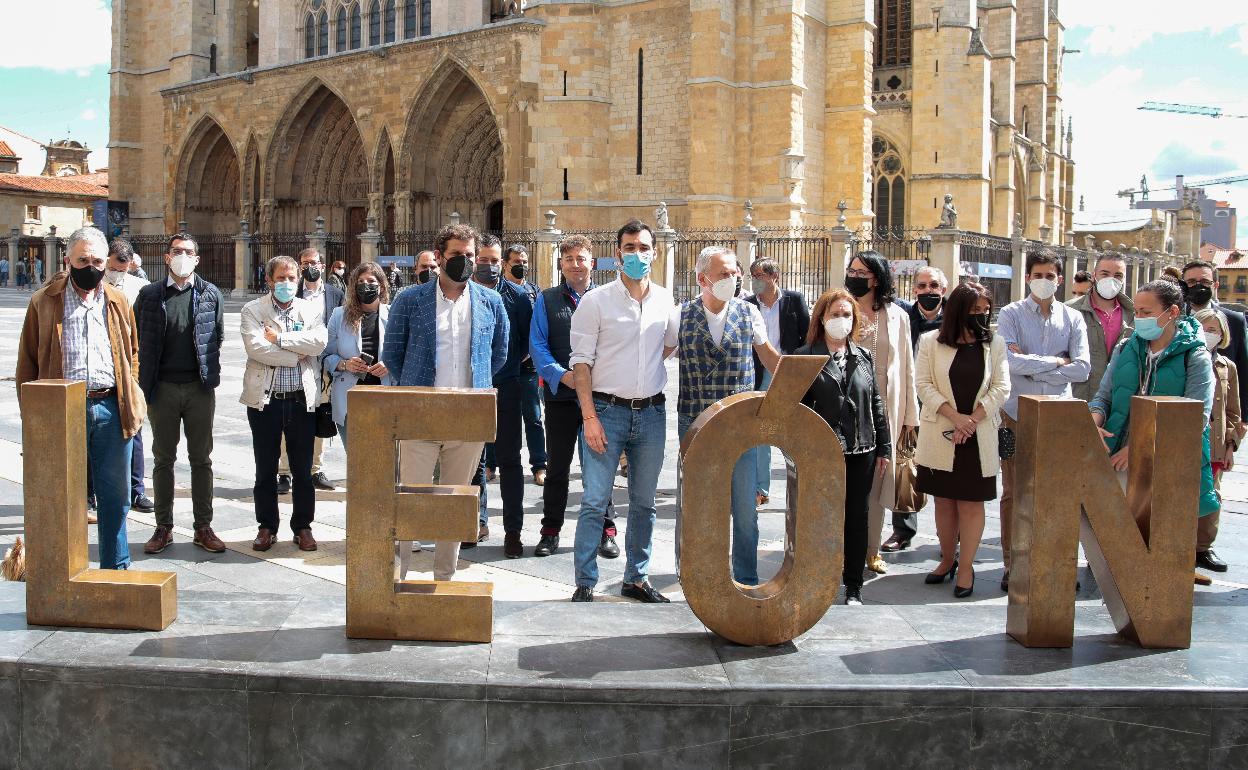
(1047, 348)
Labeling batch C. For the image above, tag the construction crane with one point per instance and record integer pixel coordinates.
(1143, 190)
(1189, 109)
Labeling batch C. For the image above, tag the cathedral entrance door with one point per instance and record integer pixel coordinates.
(356, 216)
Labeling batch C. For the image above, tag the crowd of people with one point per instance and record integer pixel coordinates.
(932, 373)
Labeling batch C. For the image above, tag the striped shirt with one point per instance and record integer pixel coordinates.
(287, 378)
(86, 352)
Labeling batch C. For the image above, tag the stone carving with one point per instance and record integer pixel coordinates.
(1142, 563)
(60, 589)
(660, 216)
(379, 513)
(948, 215)
(801, 592)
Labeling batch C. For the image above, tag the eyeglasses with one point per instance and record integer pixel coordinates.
(640, 248)
(179, 252)
(1203, 282)
(858, 273)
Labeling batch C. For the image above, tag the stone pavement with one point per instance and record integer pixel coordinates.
(287, 570)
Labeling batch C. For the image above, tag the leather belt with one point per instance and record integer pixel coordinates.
(101, 393)
(632, 403)
(289, 395)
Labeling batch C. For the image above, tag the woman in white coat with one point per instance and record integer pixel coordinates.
(886, 335)
(963, 379)
(357, 331)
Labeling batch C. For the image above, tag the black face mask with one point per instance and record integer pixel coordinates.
(857, 286)
(86, 278)
(1198, 294)
(311, 274)
(458, 268)
(929, 302)
(979, 325)
(519, 272)
(367, 293)
(424, 276)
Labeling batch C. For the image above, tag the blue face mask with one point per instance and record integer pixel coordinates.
(1148, 328)
(284, 291)
(635, 265)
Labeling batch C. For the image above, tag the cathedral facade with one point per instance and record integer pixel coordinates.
(277, 111)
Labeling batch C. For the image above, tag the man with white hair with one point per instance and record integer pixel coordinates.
(717, 336)
(78, 327)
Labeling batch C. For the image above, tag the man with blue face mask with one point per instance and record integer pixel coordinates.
(618, 335)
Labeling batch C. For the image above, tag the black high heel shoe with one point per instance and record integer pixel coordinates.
(933, 578)
(961, 593)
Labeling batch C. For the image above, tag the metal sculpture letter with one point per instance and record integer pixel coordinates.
(381, 512)
(60, 589)
(1139, 546)
(805, 587)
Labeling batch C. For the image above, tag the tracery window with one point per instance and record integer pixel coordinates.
(309, 36)
(410, 19)
(356, 35)
(889, 174)
(340, 31)
(892, 33)
(389, 21)
(322, 34)
(374, 23)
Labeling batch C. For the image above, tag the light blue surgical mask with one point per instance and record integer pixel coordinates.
(284, 291)
(636, 265)
(1149, 329)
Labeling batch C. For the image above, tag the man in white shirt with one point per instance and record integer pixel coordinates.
(717, 336)
(618, 334)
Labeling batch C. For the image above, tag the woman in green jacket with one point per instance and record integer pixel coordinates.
(1166, 356)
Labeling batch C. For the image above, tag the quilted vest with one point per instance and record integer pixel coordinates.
(559, 309)
(710, 372)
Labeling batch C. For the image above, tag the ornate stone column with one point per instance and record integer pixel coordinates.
(546, 260)
(243, 269)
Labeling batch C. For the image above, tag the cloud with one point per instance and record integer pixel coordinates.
(1178, 158)
(88, 114)
(26, 41)
(1121, 26)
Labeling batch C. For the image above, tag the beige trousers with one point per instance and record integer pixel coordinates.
(283, 464)
(417, 460)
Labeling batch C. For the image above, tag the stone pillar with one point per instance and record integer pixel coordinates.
(243, 269)
(453, 219)
(1018, 263)
(318, 239)
(1135, 269)
(15, 250)
(946, 253)
(370, 241)
(51, 253)
(546, 260)
(747, 240)
(1070, 265)
(664, 265)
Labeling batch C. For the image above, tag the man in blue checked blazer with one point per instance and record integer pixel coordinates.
(447, 333)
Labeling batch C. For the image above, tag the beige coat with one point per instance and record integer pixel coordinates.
(898, 392)
(1225, 419)
(263, 356)
(932, 379)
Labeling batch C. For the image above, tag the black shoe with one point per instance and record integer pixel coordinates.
(144, 504)
(643, 592)
(961, 593)
(933, 577)
(1005, 581)
(283, 484)
(321, 481)
(607, 549)
(853, 596)
(1210, 561)
(547, 545)
(512, 547)
(583, 594)
(894, 544)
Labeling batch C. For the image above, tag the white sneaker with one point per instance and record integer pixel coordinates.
(415, 546)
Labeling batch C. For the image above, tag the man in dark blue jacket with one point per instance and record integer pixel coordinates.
(181, 327)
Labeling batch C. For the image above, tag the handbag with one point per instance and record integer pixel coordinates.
(325, 427)
(909, 498)
(1005, 442)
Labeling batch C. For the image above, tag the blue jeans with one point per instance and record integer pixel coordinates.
(763, 453)
(640, 435)
(744, 512)
(108, 457)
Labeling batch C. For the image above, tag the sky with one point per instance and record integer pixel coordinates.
(1131, 51)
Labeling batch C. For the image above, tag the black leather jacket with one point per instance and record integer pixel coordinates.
(850, 401)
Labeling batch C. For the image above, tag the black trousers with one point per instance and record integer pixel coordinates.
(291, 419)
(507, 443)
(859, 471)
(563, 434)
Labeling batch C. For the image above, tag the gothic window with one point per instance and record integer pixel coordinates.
(389, 21)
(374, 23)
(355, 26)
(340, 30)
(409, 19)
(212, 59)
(426, 16)
(322, 34)
(892, 33)
(309, 37)
(890, 186)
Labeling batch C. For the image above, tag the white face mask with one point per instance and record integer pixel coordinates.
(1109, 287)
(838, 328)
(724, 289)
(1213, 340)
(1043, 288)
(115, 277)
(183, 265)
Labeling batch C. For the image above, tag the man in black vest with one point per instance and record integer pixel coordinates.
(550, 346)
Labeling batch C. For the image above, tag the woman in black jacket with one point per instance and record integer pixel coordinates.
(846, 396)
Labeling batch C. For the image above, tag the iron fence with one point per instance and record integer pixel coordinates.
(216, 257)
(685, 255)
(804, 258)
(906, 250)
(265, 246)
(988, 259)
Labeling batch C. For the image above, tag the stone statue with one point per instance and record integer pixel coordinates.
(660, 216)
(948, 215)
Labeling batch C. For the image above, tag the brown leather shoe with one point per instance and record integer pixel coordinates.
(162, 538)
(483, 534)
(207, 539)
(539, 477)
(264, 540)
(305, 541)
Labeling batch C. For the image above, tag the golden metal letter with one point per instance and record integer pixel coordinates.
(801, 592)
(380, 512)
(60, 589)
(1139, 546)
